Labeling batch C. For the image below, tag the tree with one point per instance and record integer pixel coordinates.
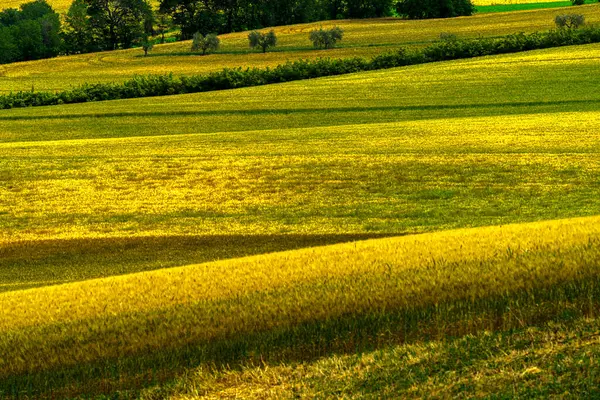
(204, 16)
(147, 44)
(262, 40)
(30, 33)
(368, 8)
(77, 33)
(163, 24)
(9, 52)
(118, 23)
(421, 9)
(578, 2)
(327, 39)
(569, 21)
(206, 43)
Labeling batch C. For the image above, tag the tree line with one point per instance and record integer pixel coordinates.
(35, 30)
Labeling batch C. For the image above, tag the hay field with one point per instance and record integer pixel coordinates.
(364, 38)
(296, 305)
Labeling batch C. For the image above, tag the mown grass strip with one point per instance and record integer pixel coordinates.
(299, 304)
(163, 85)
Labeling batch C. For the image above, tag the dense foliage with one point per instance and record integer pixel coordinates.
(420, 9)
(30, 33)
(206, 16)
(326, 38)
(161, 85)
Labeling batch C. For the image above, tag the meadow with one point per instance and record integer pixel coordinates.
(363, 38)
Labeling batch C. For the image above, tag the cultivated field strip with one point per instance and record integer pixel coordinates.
(95, 190)
(440, 283)
(532, 82)
(364, 38)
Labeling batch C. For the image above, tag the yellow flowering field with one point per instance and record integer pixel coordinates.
(363, 38)
(144, 237)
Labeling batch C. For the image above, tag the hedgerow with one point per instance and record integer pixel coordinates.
(231, 78)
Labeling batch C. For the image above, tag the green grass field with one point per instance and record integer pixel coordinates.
(509, 6)
(364, 38)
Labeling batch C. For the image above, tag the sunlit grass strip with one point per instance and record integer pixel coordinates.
(447, 282)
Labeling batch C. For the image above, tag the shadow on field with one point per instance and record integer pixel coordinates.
(159, 368)
(518, 106)
(40, 263)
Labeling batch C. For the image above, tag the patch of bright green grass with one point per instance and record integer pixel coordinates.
(495, 8)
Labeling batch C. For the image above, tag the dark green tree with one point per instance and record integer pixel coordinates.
(30, 33)
(77, 33)
(421, 9)
(9, 51)
(118, 23)
(368, 8)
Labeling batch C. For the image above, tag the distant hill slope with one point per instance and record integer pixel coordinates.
(364, 38)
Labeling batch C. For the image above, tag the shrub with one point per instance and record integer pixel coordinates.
(327, 39)
(577, 2)
(569, 21)
(206, 43)
(262, 40)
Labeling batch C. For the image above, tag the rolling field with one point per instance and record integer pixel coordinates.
(350, 236)
(364, 38)
(296, 305)
(282, 166)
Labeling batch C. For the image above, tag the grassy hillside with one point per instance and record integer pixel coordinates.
(446, 145)
(553, 360)
(364, 38)
(296, 305)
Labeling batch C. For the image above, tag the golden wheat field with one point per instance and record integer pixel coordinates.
(465, 275)
(465, 143)
(363, 38)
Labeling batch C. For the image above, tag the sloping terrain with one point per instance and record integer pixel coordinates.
(177, 180)
(124, 333)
